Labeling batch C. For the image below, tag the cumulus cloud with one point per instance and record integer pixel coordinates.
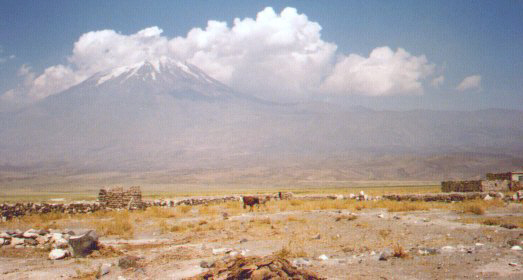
(438, 81)
(384, 72)
(274, 56)
(470, 83)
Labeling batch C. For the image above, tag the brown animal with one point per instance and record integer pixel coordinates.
(250, 201)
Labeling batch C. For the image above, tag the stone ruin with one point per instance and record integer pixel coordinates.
(495, 182)
(118, 198)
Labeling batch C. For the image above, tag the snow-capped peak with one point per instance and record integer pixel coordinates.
(151, 68)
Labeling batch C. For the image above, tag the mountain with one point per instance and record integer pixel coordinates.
(172, 122)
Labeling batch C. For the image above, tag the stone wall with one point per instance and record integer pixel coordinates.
(444, 197)
(461, 186)
(495, 185)
(499, 176)
(117, 198)
(12, 210)
(479, 186)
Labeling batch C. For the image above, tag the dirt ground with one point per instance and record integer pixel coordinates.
(333, 243)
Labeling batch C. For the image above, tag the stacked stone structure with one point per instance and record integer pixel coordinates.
(496, 182)
(118, 198)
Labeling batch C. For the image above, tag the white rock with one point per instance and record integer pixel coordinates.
(1, 241)
(4, 234)
(57, 254)
(233, 254)
(301, 262)
(121, 278)
(362, 193)
(61, 243)
(352, 196)
(105, 269)
(323, 257)
(218, 251)
(488, 197)
(381, 215)
(516, 248)
(31, 234)
(448, 249)
(513, 264)
(244, 252)
(479, 244)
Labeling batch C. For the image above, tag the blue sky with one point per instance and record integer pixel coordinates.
(481, 40)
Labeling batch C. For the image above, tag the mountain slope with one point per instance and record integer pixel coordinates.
(170, 116)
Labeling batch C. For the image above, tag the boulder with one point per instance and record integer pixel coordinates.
(83, 245)
(58, 254)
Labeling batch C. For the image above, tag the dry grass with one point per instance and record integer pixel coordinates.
(120, 225)
(160, 212)
(291, 250)
(40, 221)
(478, 206)
(495, 221)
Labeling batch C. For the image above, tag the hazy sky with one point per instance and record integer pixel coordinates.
(395, 54)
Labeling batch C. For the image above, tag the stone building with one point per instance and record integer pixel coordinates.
(117, 197)
(508, 181)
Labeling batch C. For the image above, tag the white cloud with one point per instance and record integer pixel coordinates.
(470, 83)
(438, 81)
(274, 56)
(384, 72)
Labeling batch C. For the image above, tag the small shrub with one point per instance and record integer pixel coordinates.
(399, 251)
(474, 209)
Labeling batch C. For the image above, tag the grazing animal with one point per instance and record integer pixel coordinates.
(250, 201)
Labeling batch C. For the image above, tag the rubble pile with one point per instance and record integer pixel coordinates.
(270, 267)
(60, 243)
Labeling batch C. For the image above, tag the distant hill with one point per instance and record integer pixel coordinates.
(171, 121)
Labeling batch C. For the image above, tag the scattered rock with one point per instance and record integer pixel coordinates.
(386, 254)
(396, 218)
(488, 197)
(516, 248)
(513, 264)
(84, 244)
(381, 215)
(30, 234)
(206, 264)
(243, 240)
(58, 254)
(30, 242)
(219, 251)
(323, 257)
(509, 226)
(428, 251)
(17, 241)
(301, 262)
(448, 249)
(104, 269)
(317, 237)
(128, 261)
